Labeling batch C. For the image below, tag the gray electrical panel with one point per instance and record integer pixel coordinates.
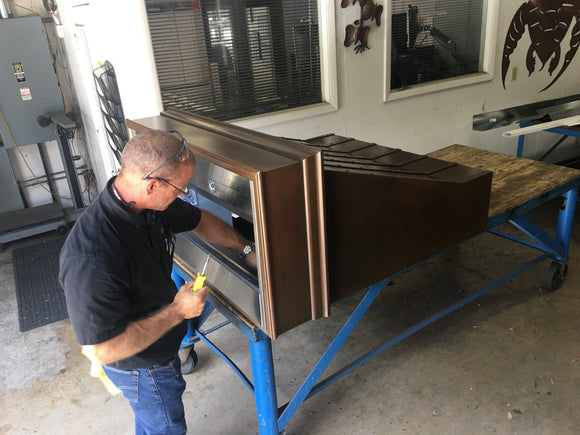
(28, 84)
(29, 90)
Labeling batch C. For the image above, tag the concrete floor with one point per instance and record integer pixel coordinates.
(507, 363)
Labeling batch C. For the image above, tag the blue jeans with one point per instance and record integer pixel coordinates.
(155, 396)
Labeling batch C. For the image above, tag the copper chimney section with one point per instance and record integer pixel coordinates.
(329, 215)
(274, 186)
(388, 209)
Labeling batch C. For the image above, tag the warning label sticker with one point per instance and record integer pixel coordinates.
(25, 94)
(18, 72)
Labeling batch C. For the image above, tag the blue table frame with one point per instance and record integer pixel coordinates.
(563, 131)
(272, 418)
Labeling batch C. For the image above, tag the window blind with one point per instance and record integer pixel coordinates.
(228, 59)
(435, 39)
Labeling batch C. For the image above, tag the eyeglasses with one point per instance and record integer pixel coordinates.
(183, 191)
(181, 155)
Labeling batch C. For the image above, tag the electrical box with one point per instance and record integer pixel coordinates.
(29, 91)
(28, 85)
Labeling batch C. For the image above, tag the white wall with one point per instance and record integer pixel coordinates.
(425, 123)
(100, 30)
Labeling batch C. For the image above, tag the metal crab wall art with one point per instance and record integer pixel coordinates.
(548, 22)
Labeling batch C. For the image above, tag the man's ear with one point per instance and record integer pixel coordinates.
(152, 185)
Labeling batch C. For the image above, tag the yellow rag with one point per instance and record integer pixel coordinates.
(98, 372)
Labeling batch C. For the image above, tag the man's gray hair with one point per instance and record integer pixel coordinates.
(148, 150)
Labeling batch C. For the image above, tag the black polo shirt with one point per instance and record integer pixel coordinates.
(115, 268)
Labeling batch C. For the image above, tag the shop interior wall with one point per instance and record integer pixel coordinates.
(96, 31)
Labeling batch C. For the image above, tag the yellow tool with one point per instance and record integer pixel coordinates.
(198, 284)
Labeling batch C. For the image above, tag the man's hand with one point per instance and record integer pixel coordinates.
(142, 333)
(189, 303)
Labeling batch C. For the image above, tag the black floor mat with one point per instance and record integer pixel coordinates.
(39, 295)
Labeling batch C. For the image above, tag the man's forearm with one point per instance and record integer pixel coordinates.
(137, 336)
(214, 230)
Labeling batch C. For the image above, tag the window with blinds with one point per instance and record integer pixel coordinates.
(228, 59)
(436, 39)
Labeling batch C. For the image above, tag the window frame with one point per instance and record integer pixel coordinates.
(328, 75)
(488, 61)
(328, 78)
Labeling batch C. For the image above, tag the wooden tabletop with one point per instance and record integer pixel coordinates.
(515, 181)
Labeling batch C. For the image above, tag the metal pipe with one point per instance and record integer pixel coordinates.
(264, 383)
(418, 326)
(232, 365)
(310, 382)
(566, 220)
(555, 247)
(573, 120)
(520, 241)
(5, 11)
(49, 180)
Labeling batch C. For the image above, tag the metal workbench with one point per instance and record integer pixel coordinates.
(564, 132)
(518, 186)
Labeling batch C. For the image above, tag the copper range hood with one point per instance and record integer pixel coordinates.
(271, 190)
(329, 215)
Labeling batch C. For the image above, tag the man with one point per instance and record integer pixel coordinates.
(115, 268)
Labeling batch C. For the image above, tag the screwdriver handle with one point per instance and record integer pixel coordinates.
(198, 284)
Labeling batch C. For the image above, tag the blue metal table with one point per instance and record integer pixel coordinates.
(273, 418)
(564, 132)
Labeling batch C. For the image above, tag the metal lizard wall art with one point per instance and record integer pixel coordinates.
(357, 33)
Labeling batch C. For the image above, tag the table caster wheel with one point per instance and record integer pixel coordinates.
(62, 230)
(555, 276)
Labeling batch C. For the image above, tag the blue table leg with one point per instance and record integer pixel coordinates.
(566, 219)
(264, 383)
(520, 145)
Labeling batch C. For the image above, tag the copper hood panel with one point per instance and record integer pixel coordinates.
(330, 215)
(273, 185)
(388, 209)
